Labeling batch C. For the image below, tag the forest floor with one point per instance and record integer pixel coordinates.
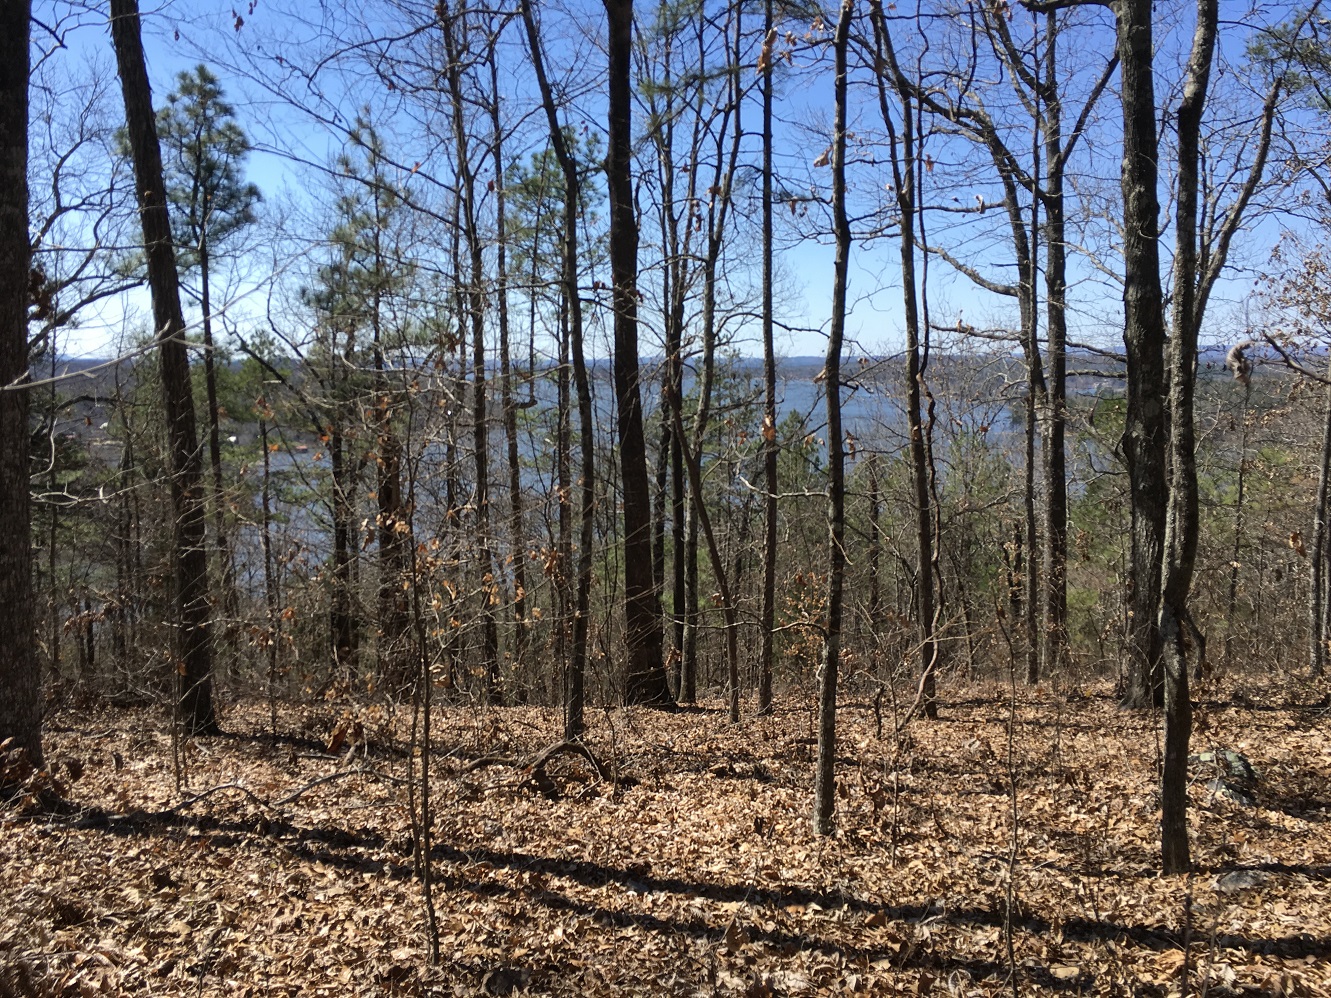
(1009, 848)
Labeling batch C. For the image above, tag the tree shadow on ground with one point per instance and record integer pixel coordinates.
(347, 850)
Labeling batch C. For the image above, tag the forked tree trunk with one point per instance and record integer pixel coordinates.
(193, 641)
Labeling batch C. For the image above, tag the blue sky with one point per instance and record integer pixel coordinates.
(298, 125)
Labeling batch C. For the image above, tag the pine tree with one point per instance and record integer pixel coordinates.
(203, 154)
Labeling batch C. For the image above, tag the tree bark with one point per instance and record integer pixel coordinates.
(1181, 523)
(193, 637)
(646, 681)
(21, 705)
(1144, 435)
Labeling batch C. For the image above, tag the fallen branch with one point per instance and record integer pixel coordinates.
(537, 762)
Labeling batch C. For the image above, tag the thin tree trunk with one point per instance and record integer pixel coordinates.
(904, 162)
(719, 205)
(53, 528)
(20, 678)
(1181, 526)
(230, 598)
(341, 620)
(676, 276)
(824, 793)
(194, 641)
(476, 309)
(1055, 421)
(718, 569)
(875, 546)
(270, 593)
(574, 693)
(394, 662)
(1030, 611)
(517, 531)
(1318, 553)
(1317, 652)
(770, 443)
(688, 684)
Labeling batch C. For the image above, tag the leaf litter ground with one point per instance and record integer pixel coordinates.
(963, 864)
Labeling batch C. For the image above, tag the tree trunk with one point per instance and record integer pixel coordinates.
(1144, 435)
(53, 623)
(1055, 417)
(1317, 596)
(341, 618)
(1030, 615)
(517, 531)
(824, 792)
(904, 165)
(1182, 514)
(770, 443)
(194, 642)
(718, 569)
(271, 596)
(677, 230)
(21, 704)
(395, 663)
(574, 692)
(646, 681)
(230, 598)
(476, 310)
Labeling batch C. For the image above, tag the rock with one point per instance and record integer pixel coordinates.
(1239, 880)
(1220, 787)
(1227, 762)
(506, 980)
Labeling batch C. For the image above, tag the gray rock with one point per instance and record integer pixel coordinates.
(1227, 762)
(1239, 880)
(1220, 787)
